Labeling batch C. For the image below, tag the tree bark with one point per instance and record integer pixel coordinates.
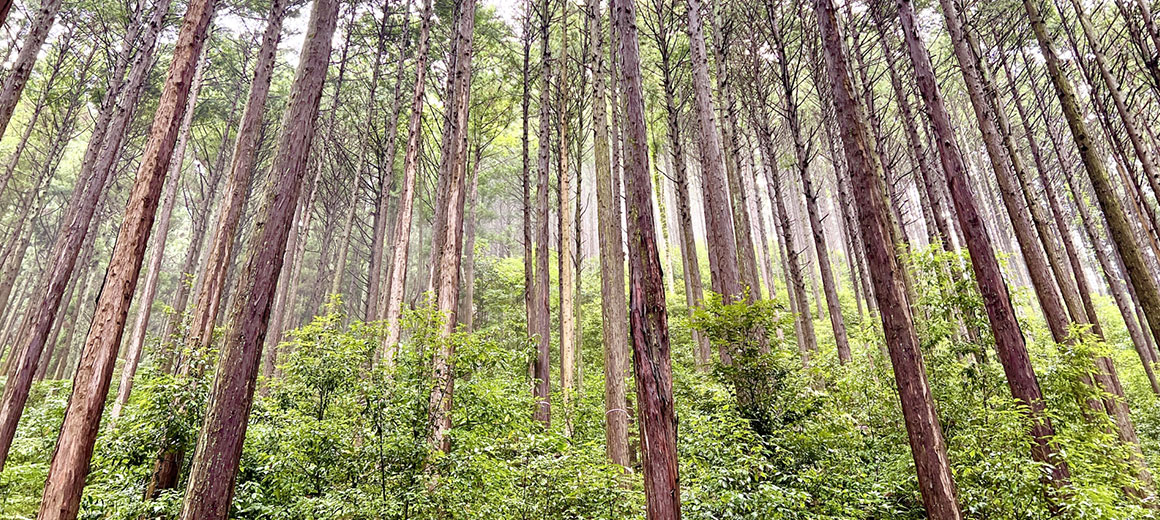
(402, 232)
(647, 308)
(454, 166)
(924, 431)
(71, 459)
(723, 266)
(613, 307)
(1009, 340)
(104, 145)
(145, 304)
(215, 463)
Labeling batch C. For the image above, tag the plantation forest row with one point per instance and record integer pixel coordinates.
(575, 259)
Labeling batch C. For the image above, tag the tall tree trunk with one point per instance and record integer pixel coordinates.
(1118, 226)
(540, 303)
(18, 75)
(376, 274)
(924, 431)
(647, 308)
(1009, 341)
(694, 291)
(215, 463)
(613, 307)
(723, 266)
(467, 302)
(567, 228)
(454, 166)
(70, 461)
(739, 204)
(241, 170)
(97, 166)
(526, 179)
(402, 232)
(802, 159)
(145, 304)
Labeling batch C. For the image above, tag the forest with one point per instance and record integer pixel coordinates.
(576, 259)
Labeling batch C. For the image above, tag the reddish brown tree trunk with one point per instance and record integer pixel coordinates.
(1009, 341)
(219, 448)
(70, 461)
(647, 307)
(97, 166)
(723, 266)
(924, 431)
(145, 304)
(241, 169)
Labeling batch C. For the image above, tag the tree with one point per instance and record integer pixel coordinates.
(453, 165)
(541, 323)
(104, 145)
(924, 431)
(1009, 341)
(647, 313)
(402, 232)
(17, 77)
(219, 448)
(614, 306)
(241, 169)
(78, 433)
(723, 267)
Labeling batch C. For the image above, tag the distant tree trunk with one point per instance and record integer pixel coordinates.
(924, 431)
(613, 307)
(17, 77)
(648, 317)
(70, 461)
(918, 153)
(453, 166)
(467, 302)
(402, 232)
(347, 230)
(375, 292)
(104, 145)
(241, 170)
(215, 463)
(526, 179)
(145, 304)
(540, 303)
(802, 159)
(723, 266)
(694, 291)
(64, 363)
(1127, 116)
(567, 229)
(1009, 341)
(742, 227)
